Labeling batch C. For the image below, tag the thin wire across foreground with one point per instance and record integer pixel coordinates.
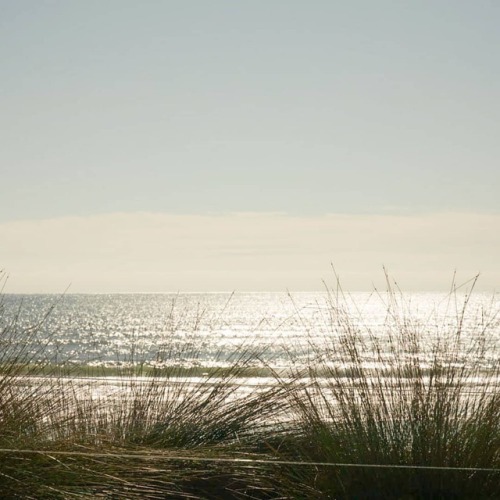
(240, 461)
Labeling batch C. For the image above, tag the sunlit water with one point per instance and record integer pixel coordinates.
(216, 329)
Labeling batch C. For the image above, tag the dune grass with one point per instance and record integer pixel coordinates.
(420, 395)
(415, 404)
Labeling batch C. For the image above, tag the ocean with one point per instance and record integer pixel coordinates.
(206, 330)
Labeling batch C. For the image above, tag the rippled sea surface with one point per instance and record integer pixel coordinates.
(214, 329)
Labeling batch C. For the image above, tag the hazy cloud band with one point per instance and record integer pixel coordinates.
(154, 252)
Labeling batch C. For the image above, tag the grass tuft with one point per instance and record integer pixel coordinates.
(420, 392)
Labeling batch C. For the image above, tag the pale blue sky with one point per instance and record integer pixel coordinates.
(291, 106)
(200, 107)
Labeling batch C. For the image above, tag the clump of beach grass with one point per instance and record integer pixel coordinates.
(30, 409)
(160, 411)
(422, 399)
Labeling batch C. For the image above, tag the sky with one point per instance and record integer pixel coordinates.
(204, 146)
